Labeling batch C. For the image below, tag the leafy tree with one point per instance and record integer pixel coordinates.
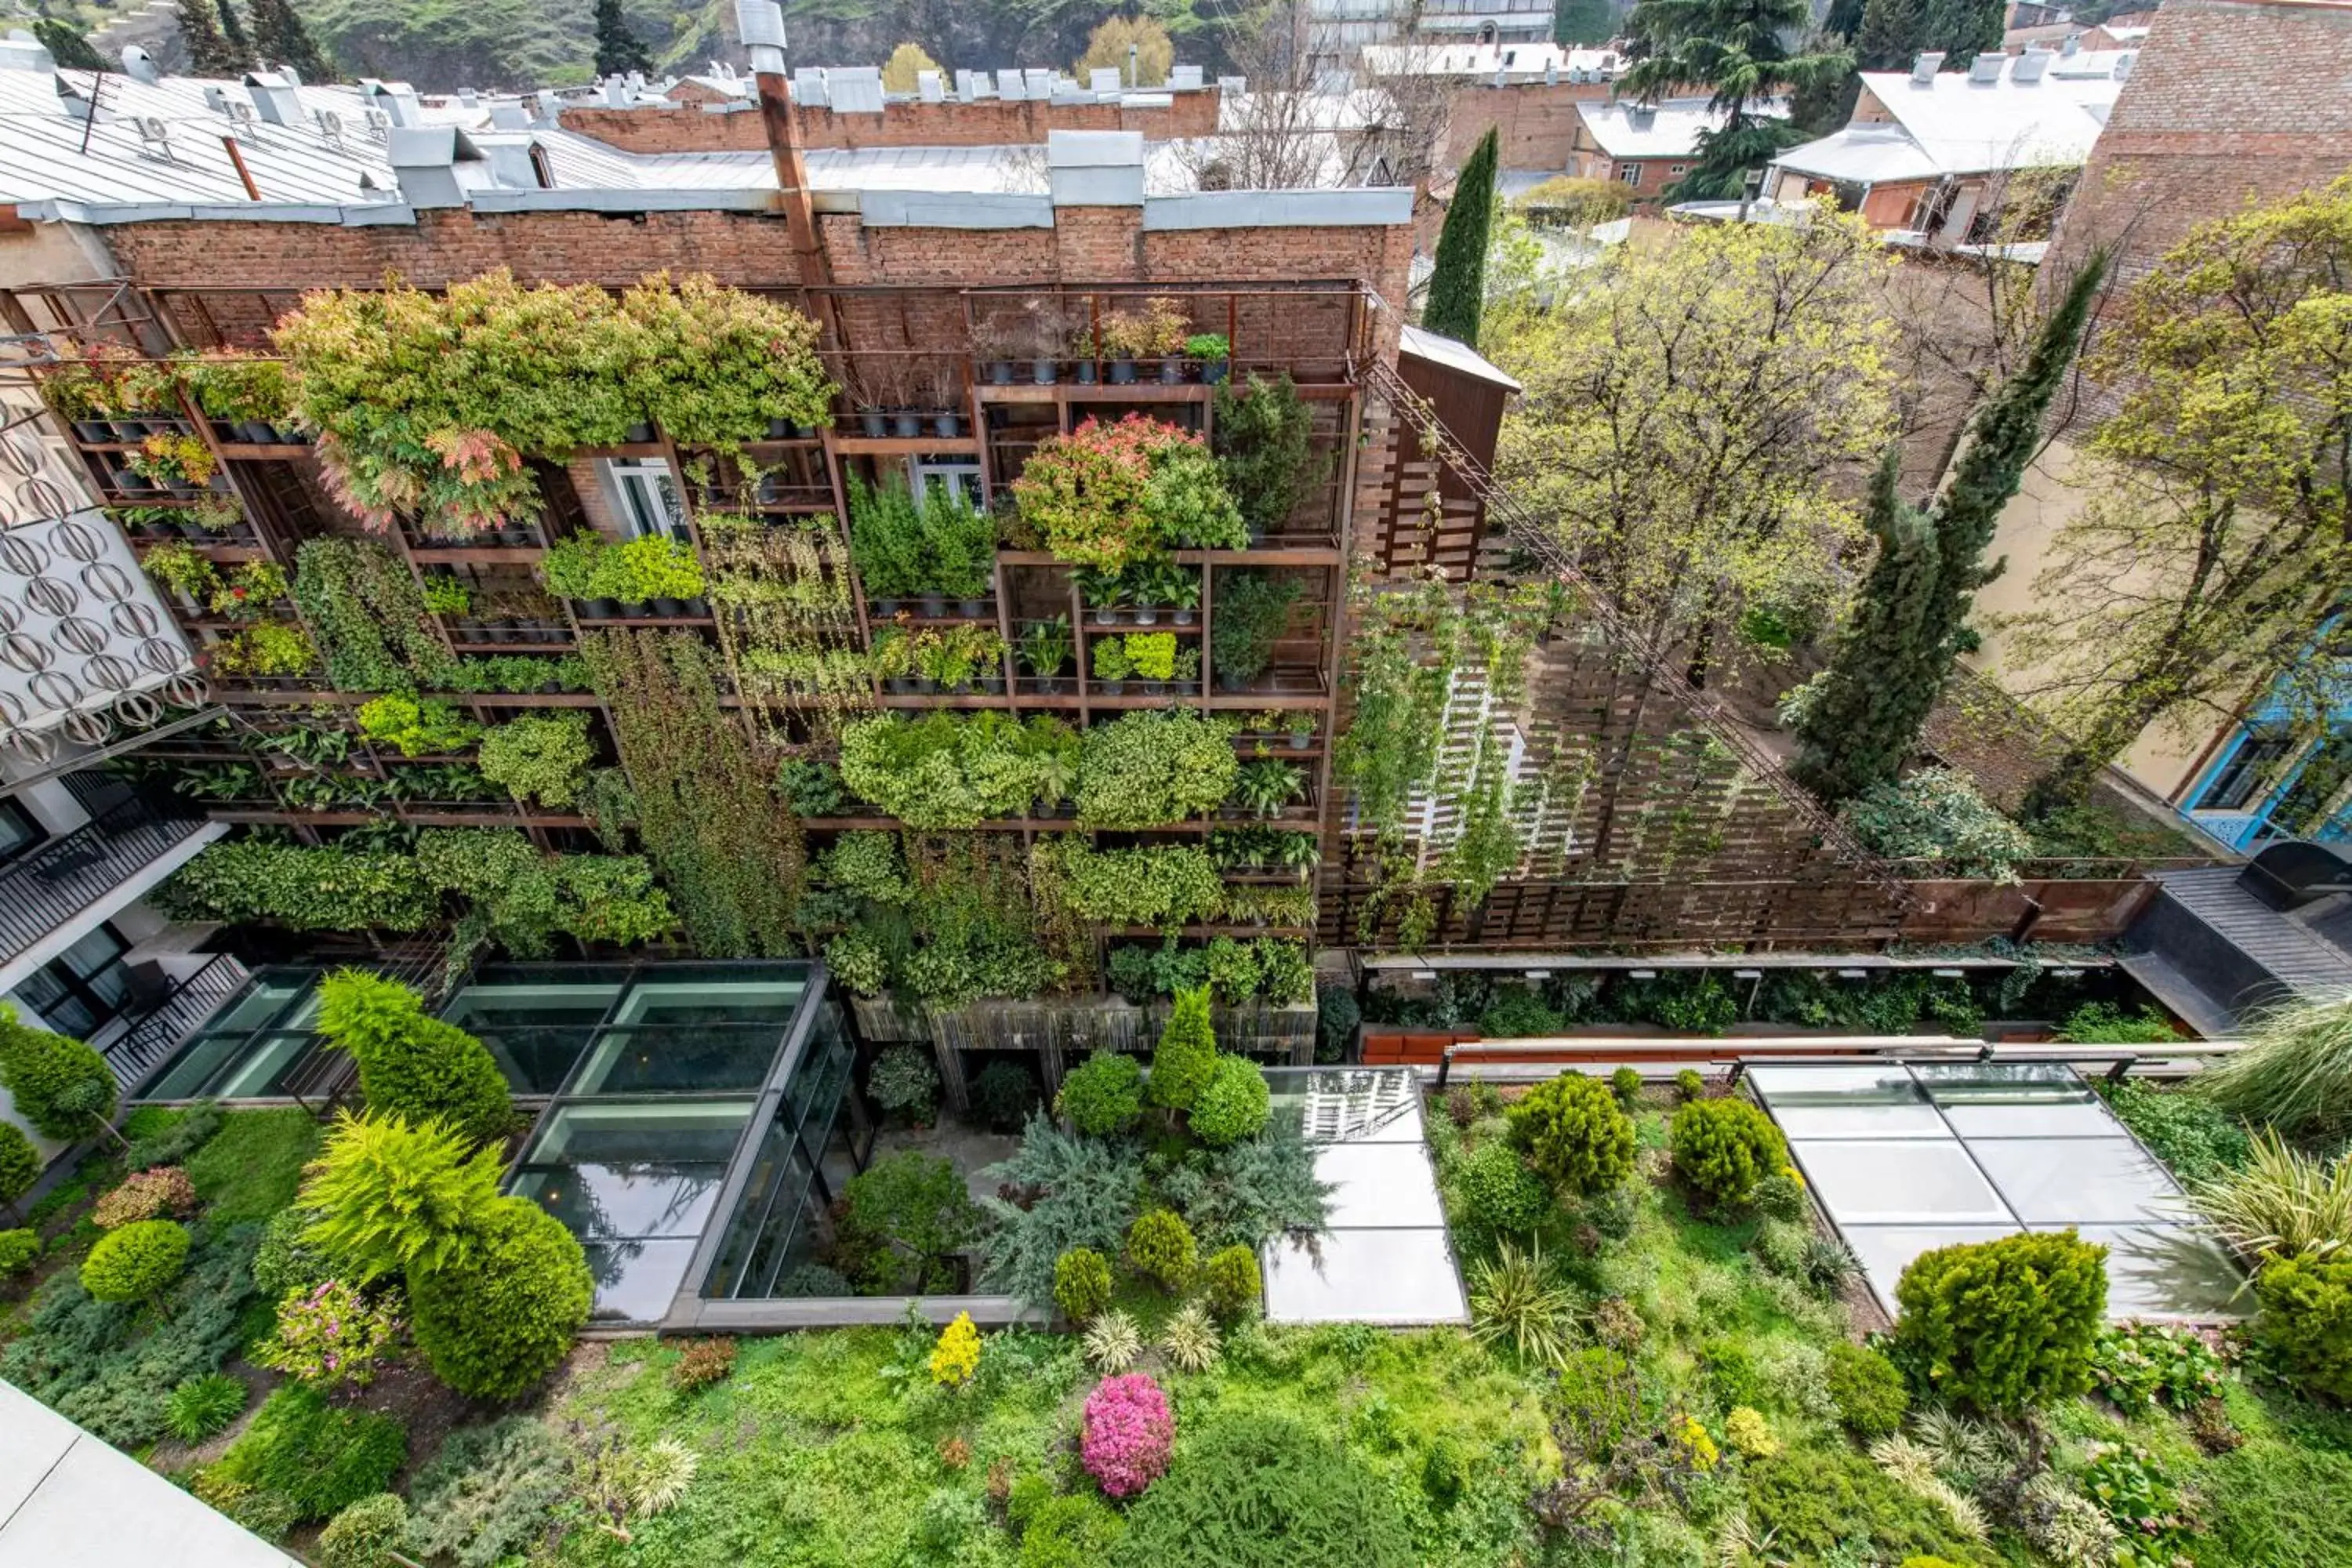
(69, 45)
(1864, 714)
(210, 51)
(391, 1198)
(281, 37)
(60, 1085)
(899, 72)
(619, 51)
(2213, 549)
(1893, 33)
(902, 1218)
(2003, 1326)
(412, 1065)
(232, 32)
(1186, 1057)
(1685, 432)
(1107, 45)
(494, 1324)
(1457, 289)
(1734, 48)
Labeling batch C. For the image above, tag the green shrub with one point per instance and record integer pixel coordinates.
(204, 1406)
(2105, 1023)
(1081, 1283)
(18, 1248)
(1722, 1148)
(136, 1262)
(1868, 1391)
(1688, 1085)
(395, 1199)
(1518, 1013)
(2306, 1319)
(488, 1493)
(1780, 1196)
(1160, 1245)
(365, 1534)
(1233, 1105)
(60, 1086)
(1104, 1095)
(2293, 1073)
(905, 1085)
(1260, 1491)
(902, 1218)
(412, 1065)
(1937, 814)
(1186, 1057)
(1815, 1502)
(20, 1162)
(493, 1325)
(1688, 1003)
(181, 1134)
(251, 1169)
(319, 1457)
(1779, 1247)
(1231, 1281)
(1077, 1531)
(2181, 1128)
(2003, 1326)
(288, 1260)
(1499, 1196)
(2259, 1507)
(1625, 1083)
(1574, 1132)
(1003, 1094)
(542, 758)
(1732, 1373)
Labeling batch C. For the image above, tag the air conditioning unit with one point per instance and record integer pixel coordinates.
(379, 123)
(239, 111)
(152, 130)
(331, 124)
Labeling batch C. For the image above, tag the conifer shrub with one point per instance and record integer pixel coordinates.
(1868, 1391)
(20, 1162)
(1816, 1501)
(1186, 1057)
(365, 1534)
(1253, 1491)
(1233, 1105)
(1688, 1085)
(492, 1325)
(1104, 1095)
(321, 1457)
(2003, 1326)
(412, 1065)
(60, 1085)
(1081, 1283)
(484, 1498)
(137, 1262)
(1231, 1281)
(18, 1248)
(1575, 1133)
(1722, 1148)
(1499, 1195)
(2306, 1319)
(1076, 1532)
(1160, 1245)
(1625, 1083)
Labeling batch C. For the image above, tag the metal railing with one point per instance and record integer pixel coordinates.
(66, 875)
(154, 1035)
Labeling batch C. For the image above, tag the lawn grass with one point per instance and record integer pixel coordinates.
(252, 1167)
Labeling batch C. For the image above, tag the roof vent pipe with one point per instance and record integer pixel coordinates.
(1986, 66)
(1923, 68)
(139, 65)
(2028, 67)
(2072, 45)
(761, 25)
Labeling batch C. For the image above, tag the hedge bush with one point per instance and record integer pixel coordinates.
(496, 1323)
(1082, 1283)
(321, 1457)
(412, 1065)
(60, 1085)
(1261, 1492)
(1231, 1281)
(18, 1248)
(1499, 1195)
(1160, 1245)
(1815, 1503)
(2306, 1319)
(1724, 1147)
(1104, 1095)
(137, 1262)
(486, 1495)
(1868, 1391)
(2003, 1326)
(20, 1162)
(1233, 1105)
(1576, 1133)
(1186, 1057)
(365, 1534)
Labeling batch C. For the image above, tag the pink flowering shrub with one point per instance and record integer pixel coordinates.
(331, 1334)
(1128, 1432)
(164, 1191)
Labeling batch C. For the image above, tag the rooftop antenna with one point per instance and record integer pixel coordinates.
(97, 87)
(1134, 76)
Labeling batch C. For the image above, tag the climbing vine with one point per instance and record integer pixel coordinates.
(371, 618)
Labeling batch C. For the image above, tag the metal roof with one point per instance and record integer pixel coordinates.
(1455, 354)
(1669, 129)
(1872, 154)
(1967, 127)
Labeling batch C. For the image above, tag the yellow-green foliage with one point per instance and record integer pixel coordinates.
(136, 1262)
(2003, 1326)
(1186, 1057)
(1724, 1147)
(956, 1358)
(1575, 1133)
(1231, 1281)
(2306, 1319)
(1746, 1430)
(1160, 1245)
(1081, 1283)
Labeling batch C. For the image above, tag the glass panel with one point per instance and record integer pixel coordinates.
(479, 1007)
(2103, 1180)
(636, 1281)
(264, 1068)
(759, 1232)
(667, 1132)
(668, 1061)
(2166, 1271)
(654, 1198)
(714, 999)
(1379, 1184)
(814, 1092)
(536, 1060)
(1899, 1180)
(1886, 1250)
(1400, 1276)
(1847, 1102)
(198, 1061)
(260, 1003)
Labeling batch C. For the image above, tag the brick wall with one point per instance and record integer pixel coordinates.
(987, 123)
(1537, 124)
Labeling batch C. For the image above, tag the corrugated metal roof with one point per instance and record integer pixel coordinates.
(1863, 156)
(1967, 127)
(1455, 354)
(2290, 950)
(1669, 129)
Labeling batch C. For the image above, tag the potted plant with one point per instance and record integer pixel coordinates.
(891, 659)
(247, 394)
(1301, 725)
(1253, 608)
(886, 543)
(1181, 592)
(1212, 353)
(181, 463)
(1163, 337)
(249, 590)
(1045, 648)
(1265, 787)
(76, 394)
(184, 571)
(945, 661)
(986, 650)
(1163, 583)
(899, 398)
(1086, 353)
(939, 384)
(639, 434)
(1056, 777)
(1122, 336)
(1044, 338)
(1185, 669)
(446, 595)
(651, 570)
(1153, 657)
(1100, 591)
(869, 390)
(1296, 852)
(570, 569)
(1112, 665)
(997, 343)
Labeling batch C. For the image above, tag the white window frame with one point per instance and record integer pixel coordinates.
(1629, 173)
(959, 473)
(640, 486)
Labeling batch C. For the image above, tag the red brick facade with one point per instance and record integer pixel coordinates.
(1535, 123)
(987, 123)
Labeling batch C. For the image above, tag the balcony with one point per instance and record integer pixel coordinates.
(82, 876)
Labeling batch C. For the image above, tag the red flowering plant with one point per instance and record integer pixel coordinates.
(1128, 1434)
(332, 1334)
(1104, 496)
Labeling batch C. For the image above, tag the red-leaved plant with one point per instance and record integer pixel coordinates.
(1129, 1433)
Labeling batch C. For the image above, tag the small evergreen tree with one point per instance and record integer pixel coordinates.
(1186, 1057)
(280, 39)
(1896, 651)
(232, 32)
(412, 1064)
(1457, 289)
(68, 45)
(618, 50)
(20, 1165)
(210, 53)
(60, 1085)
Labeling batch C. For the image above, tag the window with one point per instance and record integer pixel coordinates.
(959, 477)
(83, 988)
(1675, 169)
(646, 494)
(2247, 772)
(19, 831)
(1629, 172)
(2316, 799)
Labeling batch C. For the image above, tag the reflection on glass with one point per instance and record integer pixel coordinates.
(668, 1061)
(712, 999)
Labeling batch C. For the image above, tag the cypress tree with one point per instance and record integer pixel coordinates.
(209, 52)
(280, 39)
(618, 50)
(232, 32)
(1894, 653)
(68, 45)
(1457, 290)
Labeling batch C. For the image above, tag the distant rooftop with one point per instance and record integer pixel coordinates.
(2038, 110)
(1518, 63)
(1669, 129)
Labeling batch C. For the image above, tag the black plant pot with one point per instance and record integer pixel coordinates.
(598, 609)
(1214, 371)
(885, 609)
(934, 605)
(904, 683)
(1111, 688)
(1046, 685)
(131, 484)
(260, 433)
(1256, 536)
(948, 424)
(876, 423)
(1088, 372)
(94, 430)
(639, 435)
(1122, 370)
(194, 531)
(1231, 682)
(129, 429)
(1155, 688)
(993, 684)
(635, 609)
(781, 429)
(1171, 371)
(1043, 372)
(906, 423)
(1000, 373)
(974, 608)
(697, 605)
(668, 607)
(515, 536)
(925, 685)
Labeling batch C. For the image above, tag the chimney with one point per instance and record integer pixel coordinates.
(1923, 68)
(761, 25)
(274, 99)
(436, 165)
(967, 84)
(2072, 46)
(616, 92)
(1095, 168)
(1011, 86)
(508, 114)
(22, 52)
(1181, 78)
(930, 87)
(139, 65)
(396, 98)
(2028, 67)
(1986, 66)
(854, 90)
(1104, 79)
(809, 88)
